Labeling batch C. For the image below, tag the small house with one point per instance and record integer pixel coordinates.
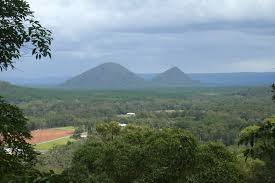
(122, 124)
(131, 114)
(84, 135)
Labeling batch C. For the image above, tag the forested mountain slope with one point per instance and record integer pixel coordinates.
(105, 76)
(173, 77)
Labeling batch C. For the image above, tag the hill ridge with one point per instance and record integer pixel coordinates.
(112, 75)
(105, 76)
(173, 77)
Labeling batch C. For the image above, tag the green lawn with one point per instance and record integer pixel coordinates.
(51, 144)
(66, 128)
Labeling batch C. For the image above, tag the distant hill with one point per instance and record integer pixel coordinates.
(236, 79)
(11, 91)
(173, 77)
(105, 76)
(7, 87)
(115, 76)
(228, 79)
(4, 84)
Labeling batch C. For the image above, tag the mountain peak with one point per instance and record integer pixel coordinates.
(174, 69)
(105, 76)
(173, 77)
(112, 64)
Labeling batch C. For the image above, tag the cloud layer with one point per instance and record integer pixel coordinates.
(136, 15)
(153, 35)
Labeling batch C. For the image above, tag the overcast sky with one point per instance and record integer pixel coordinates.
(149, 36)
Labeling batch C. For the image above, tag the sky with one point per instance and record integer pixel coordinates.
(150, 36)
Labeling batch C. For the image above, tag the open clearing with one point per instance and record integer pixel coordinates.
(46, 135)
(69, 128)
(44, 146)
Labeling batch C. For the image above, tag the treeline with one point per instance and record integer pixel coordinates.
(211, 114)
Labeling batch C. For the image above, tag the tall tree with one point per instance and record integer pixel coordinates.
(260, 143)
(273, 90)
(19, 29)
(140, 154)
(15, 153)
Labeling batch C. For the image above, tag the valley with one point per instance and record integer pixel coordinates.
(200, 110)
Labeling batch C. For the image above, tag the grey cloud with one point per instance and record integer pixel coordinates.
(122, 15)
(153, 35)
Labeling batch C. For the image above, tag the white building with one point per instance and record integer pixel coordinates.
(122, 124)
(131, 114)
(84, 135)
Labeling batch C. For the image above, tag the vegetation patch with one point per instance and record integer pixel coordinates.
(71, 128)
(49, 145)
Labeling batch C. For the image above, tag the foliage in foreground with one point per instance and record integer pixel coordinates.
(16, 154)
(273, 90)
(260, 143)
(138, 154)
(19, 29)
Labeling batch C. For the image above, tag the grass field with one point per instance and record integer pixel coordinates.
(48, 145)
(66, 128)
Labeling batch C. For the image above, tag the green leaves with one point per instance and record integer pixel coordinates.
(16, 155)
(259, 143)
(108, 130)
(248, 135)
(18, 27)
(140, 154)
(273, 91)
(215, 163)
(259, 140)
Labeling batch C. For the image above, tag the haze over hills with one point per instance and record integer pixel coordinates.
(105, 76)
(4, 86)
(10, 89)
(228, 79)
(236, 79)
(112, 76)
(115, 76)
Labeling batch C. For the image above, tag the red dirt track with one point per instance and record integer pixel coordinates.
(39, 136)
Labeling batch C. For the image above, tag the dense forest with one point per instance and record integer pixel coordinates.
(178, 135)
(216, 114)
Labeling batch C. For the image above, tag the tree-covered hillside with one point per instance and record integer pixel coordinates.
(105, 76)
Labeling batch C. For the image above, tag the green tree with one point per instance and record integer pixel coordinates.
(140, 154)
(216, 164)
(16, 154)
(259, 142)
(108, 130)
(19, 29)
(273, 90)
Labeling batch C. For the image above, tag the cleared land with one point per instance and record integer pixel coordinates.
(46, 135)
